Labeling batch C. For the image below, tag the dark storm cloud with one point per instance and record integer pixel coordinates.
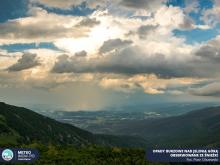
(143, 31)
(66, 64)
(210, 51)
(81, 54)
(204, 61)
(114, 44)
(27, 61)
(134, 61)
(127, 61)
(88, 22)
(142, 4)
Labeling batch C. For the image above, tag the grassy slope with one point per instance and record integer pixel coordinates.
(20, 125)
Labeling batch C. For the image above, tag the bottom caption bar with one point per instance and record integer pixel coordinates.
(183, 155)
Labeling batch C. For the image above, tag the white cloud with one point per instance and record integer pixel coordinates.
(42, 26)
(149, 84)
(211, 16)
(192, 6)
(127, 52)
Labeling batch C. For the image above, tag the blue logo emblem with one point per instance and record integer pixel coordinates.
(7, 154)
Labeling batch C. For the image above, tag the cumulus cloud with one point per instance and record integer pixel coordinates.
(27, 61)
(131, 60)
(210, 51)
(44, 27)
(148, 83)
(114, 44)
(188, 23)
(211, 16)
(192, 6)
(201, 62)
(97, 45)
(175, 18)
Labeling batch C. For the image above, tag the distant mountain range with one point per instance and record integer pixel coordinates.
(105, 121)
(196, 128)
(19, 125)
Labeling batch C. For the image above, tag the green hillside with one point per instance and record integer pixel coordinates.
(19, 125)
(89, 155)
(197, 128)
(63, 144)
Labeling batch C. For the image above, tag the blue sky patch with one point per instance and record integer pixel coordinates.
(11, 9)
(22, 47)
(196, 35)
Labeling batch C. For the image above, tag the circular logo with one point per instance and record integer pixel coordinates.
(7, 155)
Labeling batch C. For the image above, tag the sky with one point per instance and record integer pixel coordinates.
(94, 54)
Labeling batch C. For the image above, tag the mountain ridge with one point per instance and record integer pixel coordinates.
(26, 126)
(196, 128)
